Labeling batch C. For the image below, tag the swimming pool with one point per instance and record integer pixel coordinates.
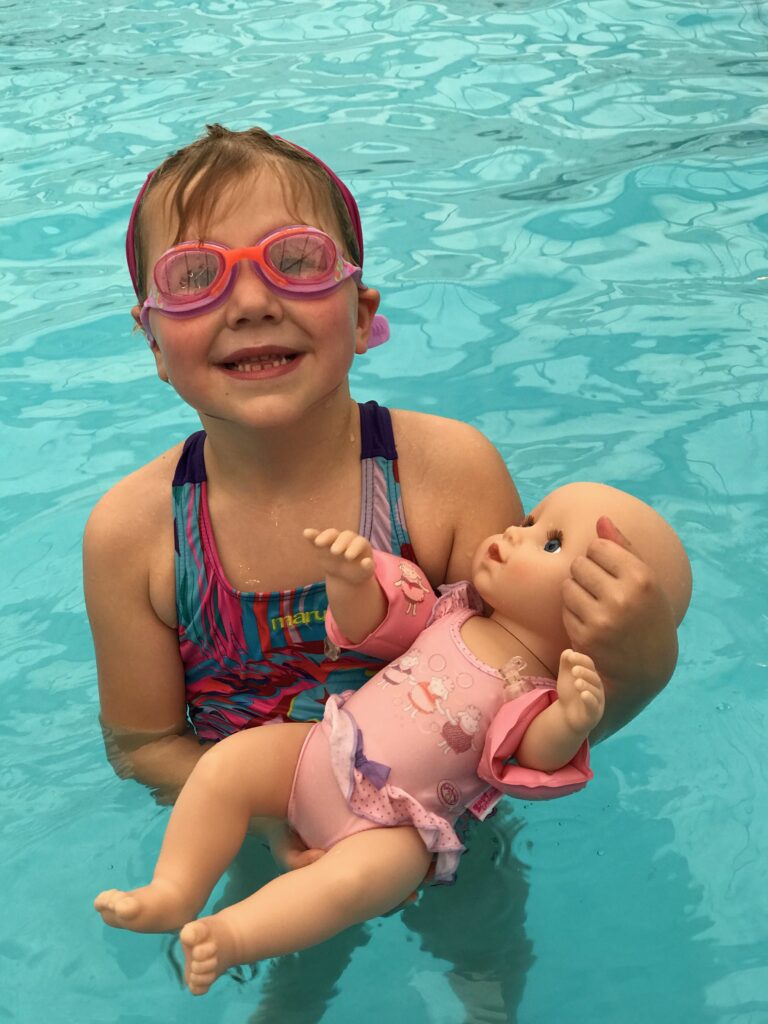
(563, 207)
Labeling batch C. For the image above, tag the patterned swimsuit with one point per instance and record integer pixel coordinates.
(250, 658)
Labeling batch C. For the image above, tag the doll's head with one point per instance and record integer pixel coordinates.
(521, 572)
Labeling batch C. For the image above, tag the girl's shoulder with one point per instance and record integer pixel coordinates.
(436, 446)
(139, 503)
(456, 490)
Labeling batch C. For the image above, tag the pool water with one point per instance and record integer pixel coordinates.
(564, 207)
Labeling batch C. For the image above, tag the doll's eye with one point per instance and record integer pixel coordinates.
(554, 541)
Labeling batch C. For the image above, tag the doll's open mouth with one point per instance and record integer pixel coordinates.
(494, 553)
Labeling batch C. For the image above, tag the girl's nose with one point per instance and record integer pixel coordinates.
(251, 298)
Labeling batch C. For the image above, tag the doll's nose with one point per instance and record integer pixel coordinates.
(513, 534)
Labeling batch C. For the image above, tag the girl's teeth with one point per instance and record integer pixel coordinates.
(267, 362)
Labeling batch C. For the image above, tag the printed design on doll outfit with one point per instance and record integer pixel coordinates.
(459, 732)
(427, 697)
(448, 794)
(413, 587)
(255, 657)
(400, 671)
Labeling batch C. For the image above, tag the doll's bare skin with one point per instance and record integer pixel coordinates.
(521, 573)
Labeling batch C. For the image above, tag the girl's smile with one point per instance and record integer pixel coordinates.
(260, 363)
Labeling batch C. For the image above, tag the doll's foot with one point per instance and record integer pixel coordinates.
(208, 953)
(580, 691)
(160, 906)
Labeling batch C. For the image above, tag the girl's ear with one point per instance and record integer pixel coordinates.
(368, 300)
(162, 373)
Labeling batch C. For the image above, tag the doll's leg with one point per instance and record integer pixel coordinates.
(248, 774)
(361, 877)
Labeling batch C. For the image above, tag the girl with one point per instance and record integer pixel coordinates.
(375, 787)
(246, 253)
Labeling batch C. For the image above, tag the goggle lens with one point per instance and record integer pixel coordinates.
(305, 258)
(188, 273)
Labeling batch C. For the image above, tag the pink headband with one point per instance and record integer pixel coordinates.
(346, 195)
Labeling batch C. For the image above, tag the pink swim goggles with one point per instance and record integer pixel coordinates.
(296, 262)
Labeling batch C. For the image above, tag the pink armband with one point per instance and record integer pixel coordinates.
(410, 601)
(502, 740)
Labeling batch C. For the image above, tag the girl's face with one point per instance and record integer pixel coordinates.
(258, 359)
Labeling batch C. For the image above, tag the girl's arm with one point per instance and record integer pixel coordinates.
(140, 674)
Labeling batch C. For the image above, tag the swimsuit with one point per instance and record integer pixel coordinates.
(388, 754)
(250, 658)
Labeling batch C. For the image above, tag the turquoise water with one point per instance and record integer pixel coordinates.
(564, 206)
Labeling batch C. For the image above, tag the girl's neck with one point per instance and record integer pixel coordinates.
(287, 456)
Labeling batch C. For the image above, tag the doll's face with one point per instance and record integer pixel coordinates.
(521, 572)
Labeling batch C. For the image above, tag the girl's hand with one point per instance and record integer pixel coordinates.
(288, 850)
(344, 554)
(615, 611)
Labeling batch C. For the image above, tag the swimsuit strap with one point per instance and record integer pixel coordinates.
(377, 439)
(382, 519)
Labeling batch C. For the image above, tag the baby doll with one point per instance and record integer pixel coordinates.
(468, 710)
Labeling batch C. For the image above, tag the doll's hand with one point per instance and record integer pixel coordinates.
(344, 554)
(580, 692)
(288, 850)
(615, 610)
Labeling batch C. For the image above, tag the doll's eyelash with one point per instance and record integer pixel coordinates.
(528, 521)
(555, 535)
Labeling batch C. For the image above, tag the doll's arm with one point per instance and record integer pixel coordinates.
(555, 736)
(545, 732)
(368, 610)
(354, 595)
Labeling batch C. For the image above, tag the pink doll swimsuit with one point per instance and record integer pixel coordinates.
(427, 736)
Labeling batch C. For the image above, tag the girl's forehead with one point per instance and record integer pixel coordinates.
(255, 202)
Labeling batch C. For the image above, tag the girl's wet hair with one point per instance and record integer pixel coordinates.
(196, 175)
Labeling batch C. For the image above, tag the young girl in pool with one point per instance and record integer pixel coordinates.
(381, 781)
(246, 253)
